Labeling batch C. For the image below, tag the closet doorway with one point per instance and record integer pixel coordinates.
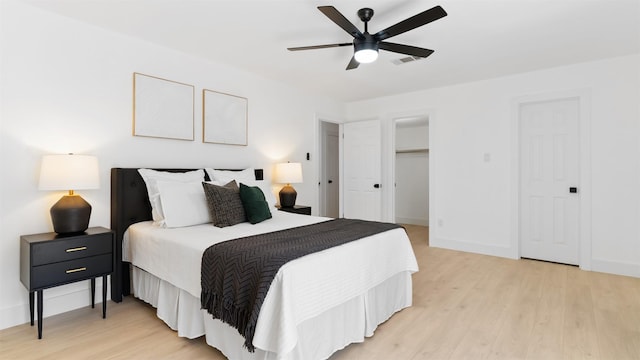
(330, 169)
(412, 170)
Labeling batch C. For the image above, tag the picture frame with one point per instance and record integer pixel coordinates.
(224, 118)
(162, 108)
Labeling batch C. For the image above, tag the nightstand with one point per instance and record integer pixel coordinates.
(296, 209)
(49, 259)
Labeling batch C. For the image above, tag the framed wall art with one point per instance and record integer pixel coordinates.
(162, 108)
(224, 118)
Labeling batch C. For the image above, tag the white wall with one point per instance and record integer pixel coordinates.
(471, 199)
(67, 87)
(411, 137)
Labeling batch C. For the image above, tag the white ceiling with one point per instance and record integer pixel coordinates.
(479, 39)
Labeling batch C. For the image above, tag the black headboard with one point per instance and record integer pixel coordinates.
(129, 205)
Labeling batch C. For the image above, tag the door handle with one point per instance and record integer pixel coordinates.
(573, 190)
(330, 181)
(377, 186)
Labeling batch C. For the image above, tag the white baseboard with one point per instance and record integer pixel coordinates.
(14, 315)
(599, 265)
(412, 221)
(616, 267)
(54, 302)
(493, 250)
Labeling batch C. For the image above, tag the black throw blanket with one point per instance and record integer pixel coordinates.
(237, 274)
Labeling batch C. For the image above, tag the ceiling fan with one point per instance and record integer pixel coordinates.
(366, 45)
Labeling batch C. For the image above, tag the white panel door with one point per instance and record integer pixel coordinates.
(362, 167)
(549, 175)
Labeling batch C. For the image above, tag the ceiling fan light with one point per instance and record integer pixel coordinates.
(365, 56)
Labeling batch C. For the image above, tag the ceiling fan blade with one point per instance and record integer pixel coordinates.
(405, 49)
(335, 16)
(411, 23)
(318, 46)
(353, 63)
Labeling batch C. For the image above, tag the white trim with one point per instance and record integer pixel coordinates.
(341, 169)
(468, 246)
(584, 98)
(616, 267)
(390, 180)
(319, 119)
(323, 187)
(433, 160)
(388, 170)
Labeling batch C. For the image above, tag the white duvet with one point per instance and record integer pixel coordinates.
(302, 288)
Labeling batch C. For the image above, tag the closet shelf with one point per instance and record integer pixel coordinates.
(407, 151)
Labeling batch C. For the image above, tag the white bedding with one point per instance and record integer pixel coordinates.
(303, 289)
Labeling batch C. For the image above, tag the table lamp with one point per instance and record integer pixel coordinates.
(69, 172)
(288, 173)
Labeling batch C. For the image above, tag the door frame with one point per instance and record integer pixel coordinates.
(584, 99)
(392, 167)
(389, 162)
(322, 205)
(320, 118)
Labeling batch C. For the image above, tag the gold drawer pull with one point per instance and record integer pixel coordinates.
(76, 270)
(77, 249)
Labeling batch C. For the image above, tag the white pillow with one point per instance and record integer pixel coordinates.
(247, 177)
(225, 176)
(151, 178)
(183, 204)
(266, 188)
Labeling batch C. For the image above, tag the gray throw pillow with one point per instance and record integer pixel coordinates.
(225, 205)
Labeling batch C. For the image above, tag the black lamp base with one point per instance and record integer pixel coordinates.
(288, 196)
(70, 215)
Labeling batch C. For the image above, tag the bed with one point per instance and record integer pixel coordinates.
(316, 305)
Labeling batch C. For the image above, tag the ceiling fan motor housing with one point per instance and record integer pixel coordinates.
(366, 48)
(366, 42)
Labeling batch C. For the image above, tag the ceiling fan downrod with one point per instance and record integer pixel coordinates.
(365, 14)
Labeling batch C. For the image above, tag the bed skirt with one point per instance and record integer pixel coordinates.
(318, 337)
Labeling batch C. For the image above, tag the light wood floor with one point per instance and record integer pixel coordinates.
(466, 306)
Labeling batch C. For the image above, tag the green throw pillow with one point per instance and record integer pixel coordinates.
(254, 203)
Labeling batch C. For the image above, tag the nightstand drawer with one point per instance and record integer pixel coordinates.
(44, 276)
(48, 252)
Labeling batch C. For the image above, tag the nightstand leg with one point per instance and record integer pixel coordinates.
(31, 304)
(39, 314)
(93, 293)
(104, 296)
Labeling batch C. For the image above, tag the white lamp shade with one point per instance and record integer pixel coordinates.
(288, 173)
(69, 172)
